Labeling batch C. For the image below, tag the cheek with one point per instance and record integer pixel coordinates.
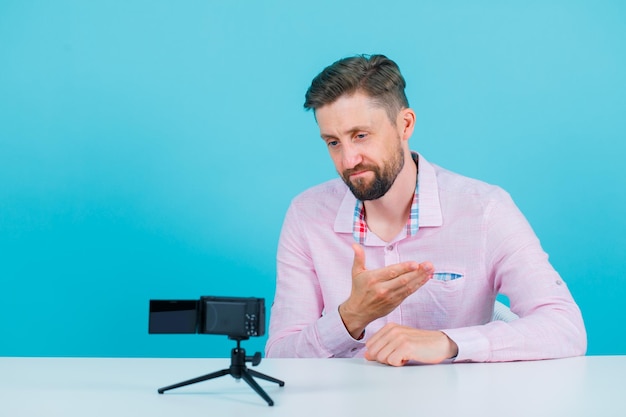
(337, 161)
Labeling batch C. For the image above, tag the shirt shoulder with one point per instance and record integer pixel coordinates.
(319, 207)
(333, 189)
(322, 199)
(456, 184)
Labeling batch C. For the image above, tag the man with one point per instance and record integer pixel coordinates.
(402, 260)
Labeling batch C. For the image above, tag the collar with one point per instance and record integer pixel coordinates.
(425, 209)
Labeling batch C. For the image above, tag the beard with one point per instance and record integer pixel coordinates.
(384, 177)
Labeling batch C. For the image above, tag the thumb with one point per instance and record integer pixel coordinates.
(358, 265)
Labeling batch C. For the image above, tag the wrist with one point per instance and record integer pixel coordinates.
(351, 322)
(453, 348)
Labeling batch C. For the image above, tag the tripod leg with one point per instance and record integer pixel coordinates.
(266, 377)
(246, 377)
(194, 380)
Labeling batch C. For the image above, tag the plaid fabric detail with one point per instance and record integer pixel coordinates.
(446, 276)
(412, 225)
(359, 227)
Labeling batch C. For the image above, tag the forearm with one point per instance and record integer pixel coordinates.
(324, 338)
(551, 331)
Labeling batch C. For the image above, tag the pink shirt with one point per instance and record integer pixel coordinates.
(480, 245)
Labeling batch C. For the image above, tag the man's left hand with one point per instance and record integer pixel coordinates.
(396, 345)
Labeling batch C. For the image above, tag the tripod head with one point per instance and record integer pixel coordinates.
(238, 354)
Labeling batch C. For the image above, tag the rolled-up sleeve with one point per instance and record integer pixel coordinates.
(550, 323)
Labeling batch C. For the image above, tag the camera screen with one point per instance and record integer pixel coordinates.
(173, 316)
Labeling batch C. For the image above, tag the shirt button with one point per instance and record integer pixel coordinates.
(559, 282)
(389, 248)
(353, 350)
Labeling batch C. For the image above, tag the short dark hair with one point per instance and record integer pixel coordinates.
(375, 75)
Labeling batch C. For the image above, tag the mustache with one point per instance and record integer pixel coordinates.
(361, 167)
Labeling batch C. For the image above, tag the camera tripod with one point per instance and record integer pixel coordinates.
(238, 370)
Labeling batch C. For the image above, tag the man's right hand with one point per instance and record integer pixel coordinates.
(377, 292)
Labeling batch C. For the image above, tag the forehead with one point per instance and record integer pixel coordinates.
(347, 110)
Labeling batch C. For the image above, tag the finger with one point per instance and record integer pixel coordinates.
(379, 339)
(358, 265)
(382, 346)
(396, 350)
(421, 276)
(394, 271)
(397, 358)
(409, 282)
(428, 268)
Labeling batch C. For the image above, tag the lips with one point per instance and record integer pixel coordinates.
(356, 171)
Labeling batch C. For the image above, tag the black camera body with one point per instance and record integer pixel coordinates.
(236, 317)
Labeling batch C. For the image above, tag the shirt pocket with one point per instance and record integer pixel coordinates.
(447, 284)
(440, 300)
(444, 294)
(447, 276)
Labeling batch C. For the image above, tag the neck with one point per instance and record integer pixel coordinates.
(387, 215)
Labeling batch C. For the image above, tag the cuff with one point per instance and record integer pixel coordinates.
(473, 345)
(334, 337)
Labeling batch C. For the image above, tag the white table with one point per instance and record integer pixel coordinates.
(91, 387)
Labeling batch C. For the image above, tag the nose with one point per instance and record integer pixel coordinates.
(350, 156)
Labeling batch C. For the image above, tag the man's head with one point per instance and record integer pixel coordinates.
(363, 116)
(376, 76)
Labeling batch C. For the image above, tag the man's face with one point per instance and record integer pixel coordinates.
(363, 143)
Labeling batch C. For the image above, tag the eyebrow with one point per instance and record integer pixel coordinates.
(352, 131)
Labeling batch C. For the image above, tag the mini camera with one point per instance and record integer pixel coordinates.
(238, 318)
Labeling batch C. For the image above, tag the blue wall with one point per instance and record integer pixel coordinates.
(149, 149)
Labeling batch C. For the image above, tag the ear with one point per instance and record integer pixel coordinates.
(406, 123)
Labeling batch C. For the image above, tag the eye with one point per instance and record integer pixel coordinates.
(360, 136)
(332, 143)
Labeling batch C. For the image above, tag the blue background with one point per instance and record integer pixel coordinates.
(149, 149)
